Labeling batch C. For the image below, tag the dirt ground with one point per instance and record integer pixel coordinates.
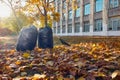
(8, 42)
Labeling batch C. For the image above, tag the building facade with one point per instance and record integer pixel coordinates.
(90, 18)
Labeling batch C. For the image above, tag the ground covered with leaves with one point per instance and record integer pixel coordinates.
(84, 61)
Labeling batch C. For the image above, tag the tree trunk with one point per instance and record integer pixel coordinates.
(45, 17)
(17, 20)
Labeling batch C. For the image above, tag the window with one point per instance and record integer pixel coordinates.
(64, 16)
(77, 12)
(114, 25)
(70, 28)
(87, 9)
(54, 29)
(113, 3)
(77, 27)
(98, 5)
(70, 1)
(70, 14)
(78, 0)
(64, 4)
(58, 29)
(63, 29)
(98, 25)
(86, 27)
(58, 7)
(58, 1)
(119, 25)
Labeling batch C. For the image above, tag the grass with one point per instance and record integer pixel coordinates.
(111, 40)
(11, 40)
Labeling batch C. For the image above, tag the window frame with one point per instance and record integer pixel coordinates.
(63, 16)
(97, 4)
(86, 25)
(112, 3)
(69, 30)
(97, 24)
(63, 29)
(77, 28)
(70, 14)
(58, 29)
(87, 5)
(112, 26)
(64, 4)
(77, 11)
(54, 30)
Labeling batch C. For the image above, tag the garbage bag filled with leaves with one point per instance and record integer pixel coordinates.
(45, 38)
(27, 39)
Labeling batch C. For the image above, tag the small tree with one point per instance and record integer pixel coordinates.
(41, 10)
(10, 22)
(13, 5)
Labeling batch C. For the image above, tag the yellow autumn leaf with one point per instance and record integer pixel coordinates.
(38, 76)
(56, 16)
(115, 73)
(52, 9)
(31, 19)
(12, 51)
(48, 17)
(34, 1)
(74, 6)
(26, 55)
(107, 59)
(81, 78)
(7, 67)
(100, 74)
(60, 77)
(76, 59)
(69, 79)
(50, 24)
(42, 23)
(39, 49)
(93, 49)
(18, 62)
(93, 45)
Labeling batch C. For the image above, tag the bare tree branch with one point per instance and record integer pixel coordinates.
(47, 3)
(6, 3)
(39, 10)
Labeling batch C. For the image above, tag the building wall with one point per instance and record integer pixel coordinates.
(90, 18)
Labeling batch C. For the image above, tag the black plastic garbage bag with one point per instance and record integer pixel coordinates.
(27, 39)
(45, 38)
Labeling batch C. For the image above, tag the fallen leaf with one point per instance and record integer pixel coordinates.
(26, 55)
(81, 78)
(115, 73)
(38, 76)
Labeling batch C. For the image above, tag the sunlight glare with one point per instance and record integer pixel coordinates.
(4, 10)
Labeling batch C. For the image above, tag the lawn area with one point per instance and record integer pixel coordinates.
(88, 58)
(113, 41)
